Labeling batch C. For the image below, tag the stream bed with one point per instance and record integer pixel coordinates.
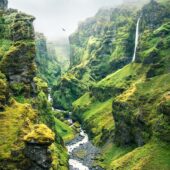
(82, 153)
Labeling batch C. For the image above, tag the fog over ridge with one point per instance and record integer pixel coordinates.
(53, 15)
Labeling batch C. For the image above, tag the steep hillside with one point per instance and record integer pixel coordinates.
(123, 105)
(47, 63)
(26, 118)
(100, 46)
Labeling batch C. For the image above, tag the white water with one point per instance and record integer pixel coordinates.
(85, 139)
(136, 40)
(49, 96)
(75, 163)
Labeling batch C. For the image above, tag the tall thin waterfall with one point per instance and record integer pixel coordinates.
(136, 40)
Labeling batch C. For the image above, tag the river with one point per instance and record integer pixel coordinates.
(73, 163)
(81, 151)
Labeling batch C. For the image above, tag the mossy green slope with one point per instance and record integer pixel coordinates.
(64, 130)
(30, 111)
(16, 121)
(48, 66)
(101, 45)
(153, 155)
(137, 95)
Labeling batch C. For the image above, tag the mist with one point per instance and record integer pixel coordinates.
(54, 15)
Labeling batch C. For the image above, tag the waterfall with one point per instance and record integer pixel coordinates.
(136, 40)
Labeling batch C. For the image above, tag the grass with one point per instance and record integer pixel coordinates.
(152, 156)
(59, 157)
(120, 77)
(64, 130)
(111, 152)
(159, 84)
(97, 117)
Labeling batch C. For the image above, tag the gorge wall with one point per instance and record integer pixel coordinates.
(28, 139)
(122, 105)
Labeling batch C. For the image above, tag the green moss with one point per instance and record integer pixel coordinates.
(96, 117)
(4, 47)
(149, 157)
(3, 90)
(18, 88)
(40, 134)
(41, 85)
(64, 130)
(60, 157)
(16, 121)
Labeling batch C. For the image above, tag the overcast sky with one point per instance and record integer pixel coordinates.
(53, 15)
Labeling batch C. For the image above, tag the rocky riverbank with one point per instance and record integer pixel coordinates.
(82, 153)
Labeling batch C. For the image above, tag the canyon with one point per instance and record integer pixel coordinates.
(99, 102)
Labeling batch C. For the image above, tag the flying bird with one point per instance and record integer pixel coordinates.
(63, 29)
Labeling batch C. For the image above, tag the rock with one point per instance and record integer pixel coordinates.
(40, 134)
(3, 4)
(36, 149)
(17, 61)
(153, 15)
(130, 128)
(40, 158)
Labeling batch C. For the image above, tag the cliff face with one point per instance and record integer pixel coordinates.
(25, 143)
(100, 46)
(134, 126)
(96, 44)
(121, 102)
(46, 59)
(18, 51)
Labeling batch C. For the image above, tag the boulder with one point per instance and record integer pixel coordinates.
(36, 149)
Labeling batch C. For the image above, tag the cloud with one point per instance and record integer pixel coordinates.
(53, 15)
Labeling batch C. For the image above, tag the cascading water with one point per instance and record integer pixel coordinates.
(81, 142)
(136, 40)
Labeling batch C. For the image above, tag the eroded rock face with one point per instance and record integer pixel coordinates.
(130, 128)
(17, 61)
(153, 15)
(36, 150)
(39, 156)
(3, 4)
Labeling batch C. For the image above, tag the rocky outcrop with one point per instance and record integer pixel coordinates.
(153, 15)
(17, 61)
(3, 4)
(68, 89)
(129, 127)
(36, 150)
